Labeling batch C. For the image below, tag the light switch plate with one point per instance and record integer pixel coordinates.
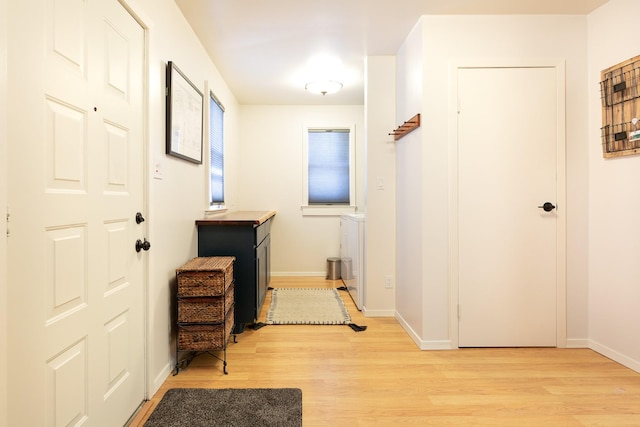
(157, 169)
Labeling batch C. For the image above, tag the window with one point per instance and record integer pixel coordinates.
(328, 171)
(216, 152)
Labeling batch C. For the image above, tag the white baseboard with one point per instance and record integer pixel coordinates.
(160, 379)
(437, 345)
(378, 313)
(577, 343)
(616, 356)
(423, 344)
(298, 274)
(407, 328)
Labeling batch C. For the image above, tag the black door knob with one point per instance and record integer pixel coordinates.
(139, 218)
(548, 207)
(140, 245)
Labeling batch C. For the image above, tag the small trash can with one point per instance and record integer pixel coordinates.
(333, 268)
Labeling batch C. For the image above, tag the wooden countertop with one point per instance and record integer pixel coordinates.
(238, 218)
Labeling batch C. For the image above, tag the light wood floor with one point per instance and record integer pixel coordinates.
(379, 377)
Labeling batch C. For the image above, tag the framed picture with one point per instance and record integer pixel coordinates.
(184, 116)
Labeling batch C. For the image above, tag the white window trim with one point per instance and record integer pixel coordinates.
(328, 210)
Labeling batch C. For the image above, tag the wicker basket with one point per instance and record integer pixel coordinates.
(205, 309)
(202, 337)
(205, 276)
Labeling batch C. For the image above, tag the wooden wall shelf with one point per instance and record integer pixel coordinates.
(620, 92)
(410, 125)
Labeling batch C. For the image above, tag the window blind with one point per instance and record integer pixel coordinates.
(216, 150)
(328, 163)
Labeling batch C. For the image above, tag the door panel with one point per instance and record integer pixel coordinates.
(64, 371)
(507, 134)
(76, 296)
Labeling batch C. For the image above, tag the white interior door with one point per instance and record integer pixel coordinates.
(507, 136)
(76, 283)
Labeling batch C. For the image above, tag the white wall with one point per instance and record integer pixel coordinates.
(3, 224)
(180, 197)
(380, 203)
(410, 283)
(450, 38)
(614, 200)
(271, 141)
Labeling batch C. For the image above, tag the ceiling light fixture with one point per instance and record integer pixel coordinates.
(323, 87)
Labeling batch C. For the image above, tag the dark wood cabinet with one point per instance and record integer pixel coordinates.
(245, 235)
(263, 270)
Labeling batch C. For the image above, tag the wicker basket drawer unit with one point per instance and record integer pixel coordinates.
(203, 336)
(205, 302)
(205, 309)
(205, 276)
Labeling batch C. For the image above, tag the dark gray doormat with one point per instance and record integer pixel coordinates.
(229, 407)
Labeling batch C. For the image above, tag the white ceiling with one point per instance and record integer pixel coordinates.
(262, 48)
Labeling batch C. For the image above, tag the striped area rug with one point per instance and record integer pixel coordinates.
(307, 306)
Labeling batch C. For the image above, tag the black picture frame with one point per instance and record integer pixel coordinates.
(184, 111)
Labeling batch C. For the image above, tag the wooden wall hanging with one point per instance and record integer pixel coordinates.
(410, 125)
(620, 93)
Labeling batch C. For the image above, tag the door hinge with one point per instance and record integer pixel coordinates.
(8, 217)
